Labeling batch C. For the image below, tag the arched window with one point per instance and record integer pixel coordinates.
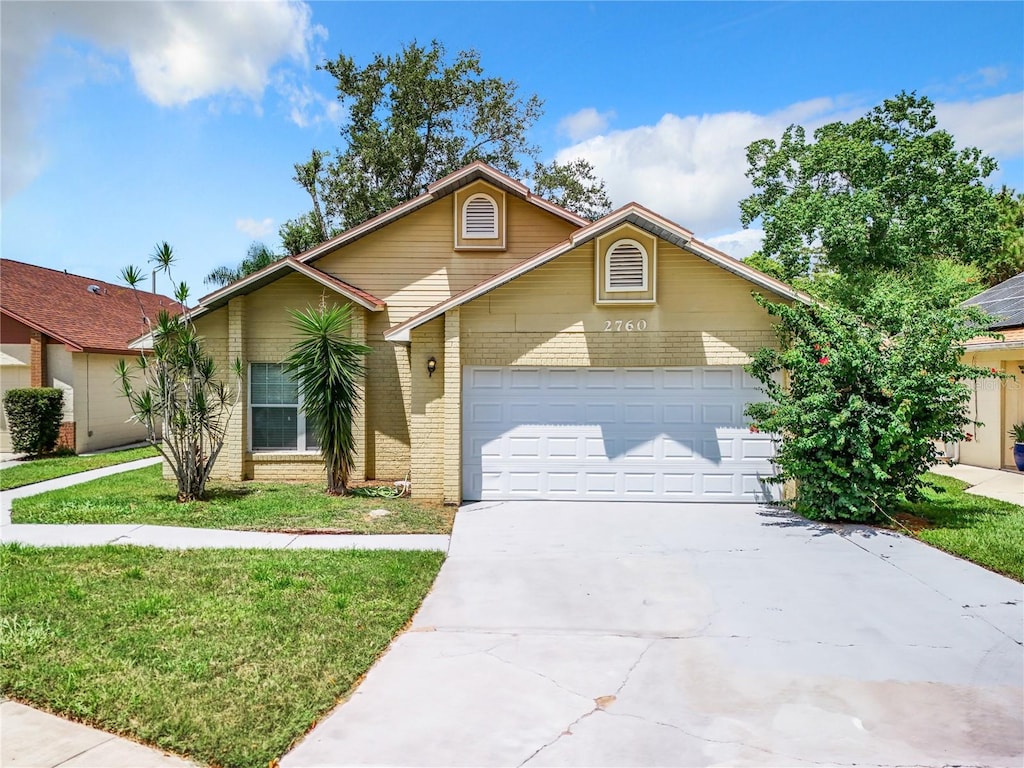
(626, 267)
(480, 218)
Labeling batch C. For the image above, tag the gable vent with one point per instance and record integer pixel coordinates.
(480, 218)
(627, 267)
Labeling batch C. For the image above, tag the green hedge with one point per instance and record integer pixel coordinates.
(33, 417)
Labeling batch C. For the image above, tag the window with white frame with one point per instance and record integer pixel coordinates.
(480, 218)
(626, 267)
(276, 419)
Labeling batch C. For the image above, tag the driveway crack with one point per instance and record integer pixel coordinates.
(601, 703)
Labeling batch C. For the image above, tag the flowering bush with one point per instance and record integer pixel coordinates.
(861, 407)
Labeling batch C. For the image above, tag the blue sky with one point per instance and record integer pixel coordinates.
(128, 123)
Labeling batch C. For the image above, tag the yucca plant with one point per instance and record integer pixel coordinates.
(174, 392)
(328, 367)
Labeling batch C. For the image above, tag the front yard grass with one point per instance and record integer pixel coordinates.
(226, 656)
(142, 496)
(983, 530)
(38, 470)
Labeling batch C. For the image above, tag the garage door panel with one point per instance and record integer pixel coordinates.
(678, 378)
(599, 483)
(718, 413)
(629, 433)
(599, 378)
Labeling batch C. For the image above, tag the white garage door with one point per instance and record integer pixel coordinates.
(659, 434)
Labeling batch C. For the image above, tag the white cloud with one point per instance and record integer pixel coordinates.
(255, 229)
(995, 125)
(177, 51)
(584, 124)
(692, 168)
(308, 107)
(739, 244)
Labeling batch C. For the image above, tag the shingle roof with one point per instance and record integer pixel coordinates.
(1004, 301)
(63, 307)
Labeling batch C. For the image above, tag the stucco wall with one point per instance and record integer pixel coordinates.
(997, 404)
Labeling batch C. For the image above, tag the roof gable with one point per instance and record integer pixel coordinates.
(476, 171)
(634, 214)
(64, 307)
(278, 269)
(439, 189)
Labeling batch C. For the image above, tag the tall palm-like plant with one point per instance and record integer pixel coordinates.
(174, 386)
(327, 366)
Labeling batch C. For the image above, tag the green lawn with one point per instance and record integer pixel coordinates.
(37, 470)
(986, 531)
(143, 496)
(226, 656)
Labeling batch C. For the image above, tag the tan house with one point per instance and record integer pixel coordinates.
(68, 331)
(519, 352)
(998, 404)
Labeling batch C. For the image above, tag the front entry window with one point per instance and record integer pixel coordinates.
(277, 422)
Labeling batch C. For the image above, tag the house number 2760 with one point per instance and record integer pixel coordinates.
(625, 325)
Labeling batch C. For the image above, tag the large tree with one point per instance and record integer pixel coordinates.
(413, 118)
(889, 225)
(888, 191)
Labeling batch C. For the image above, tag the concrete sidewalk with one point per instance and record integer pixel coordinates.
(33, 739)
(1001, 484)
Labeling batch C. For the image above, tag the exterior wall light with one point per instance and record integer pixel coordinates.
(431, 365)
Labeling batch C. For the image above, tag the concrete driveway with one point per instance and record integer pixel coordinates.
(656, 634)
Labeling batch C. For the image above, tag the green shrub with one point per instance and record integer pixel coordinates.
(33, 416)
(864, 403)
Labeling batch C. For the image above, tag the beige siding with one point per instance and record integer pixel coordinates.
(412, 264)
(704, 316)
(103, 414)
(257, 328)
(997, 404)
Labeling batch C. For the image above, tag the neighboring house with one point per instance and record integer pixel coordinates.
(519, 351)
(67, 331)
(997, 403)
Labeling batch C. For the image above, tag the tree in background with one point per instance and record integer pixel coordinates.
(328, 367)
(256, 258)
(413, 118)
(1009, 257)
(573, 186)
(174, 386)
(888, 191)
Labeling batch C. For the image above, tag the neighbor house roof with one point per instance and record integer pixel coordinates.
(632, 213)
(84, 314)
(1005, 302)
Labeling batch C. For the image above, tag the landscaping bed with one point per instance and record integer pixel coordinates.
(224, 656)
(37, 470)
(144, 497)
